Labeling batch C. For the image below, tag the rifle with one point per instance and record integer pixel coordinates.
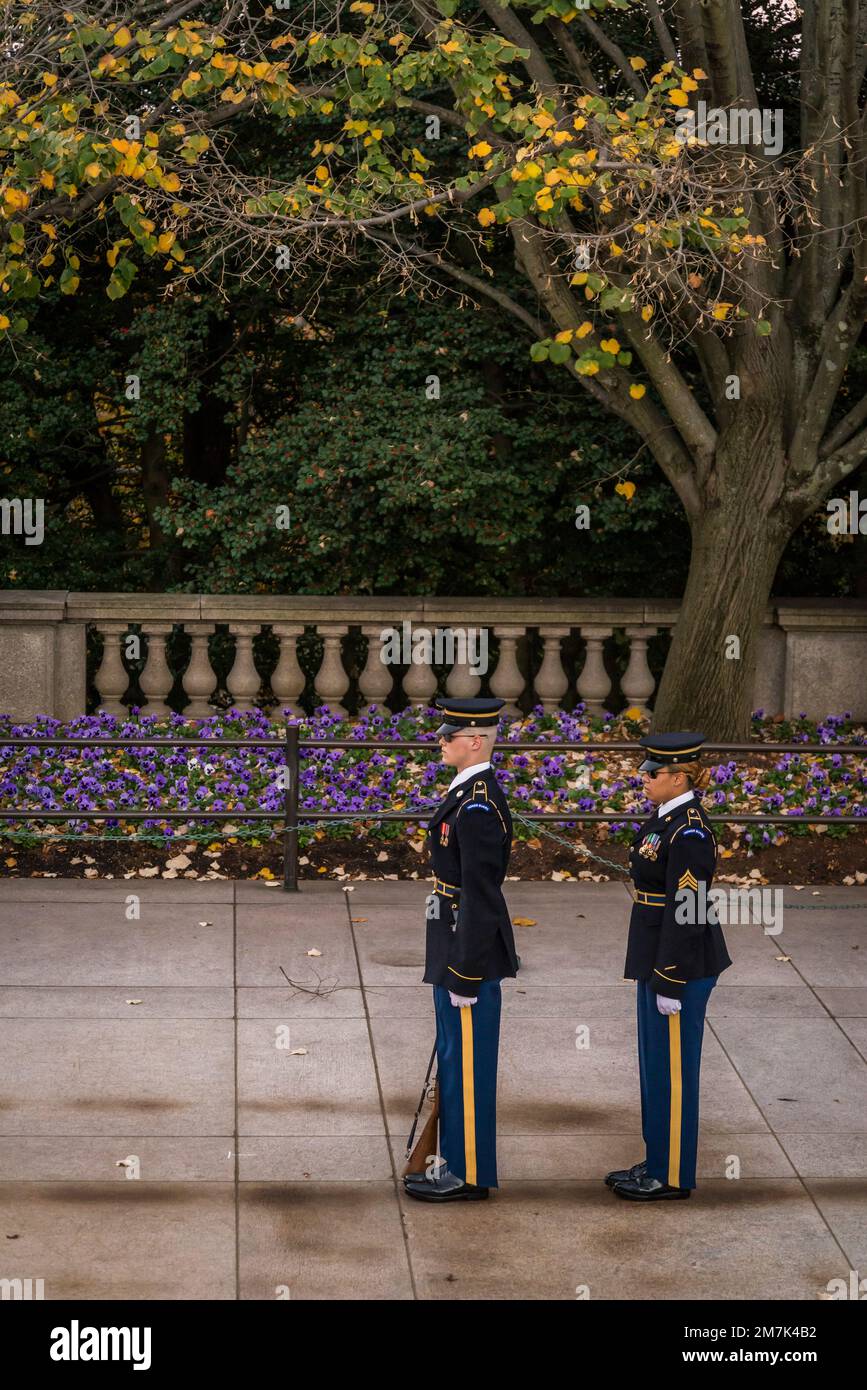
(426, 1144)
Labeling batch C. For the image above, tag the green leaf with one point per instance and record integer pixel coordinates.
(559, 352)
(763, 328)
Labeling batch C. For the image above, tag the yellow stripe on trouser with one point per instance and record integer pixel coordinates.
(676, 1078)
(469, 1093)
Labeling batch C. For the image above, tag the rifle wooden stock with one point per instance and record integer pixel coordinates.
(427, 1141)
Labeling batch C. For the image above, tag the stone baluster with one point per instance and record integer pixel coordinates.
(637, 681)
(507, 683)
(460, 682)
(156, 680)
(331, 682)
(594, 682)
(551, 680)
(419, 680)
(243, 680)
(199, 679)
(376, 679)
(112, 679)
(288, 682)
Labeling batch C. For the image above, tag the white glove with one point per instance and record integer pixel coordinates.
(459, 1000)
(667, 1006)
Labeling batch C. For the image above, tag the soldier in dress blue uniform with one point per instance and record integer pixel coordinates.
(676, 952)
(470, 947)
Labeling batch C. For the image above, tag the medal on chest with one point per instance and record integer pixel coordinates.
(649, 847)
(444, 832)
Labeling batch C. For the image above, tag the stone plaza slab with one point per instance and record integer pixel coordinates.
(265, 1114)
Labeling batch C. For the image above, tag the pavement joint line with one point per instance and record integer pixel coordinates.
(783, 1150)
(834, 1018)
(382, 1105)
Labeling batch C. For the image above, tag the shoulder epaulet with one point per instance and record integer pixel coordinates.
(693, 825)
(479, 800)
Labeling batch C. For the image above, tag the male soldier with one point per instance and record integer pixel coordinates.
(469, 949)
(676, 951)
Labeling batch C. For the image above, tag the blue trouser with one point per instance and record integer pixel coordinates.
(669, 1062)
(467, 1043)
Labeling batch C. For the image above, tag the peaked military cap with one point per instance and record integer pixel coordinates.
(666, 750)
(468, 714)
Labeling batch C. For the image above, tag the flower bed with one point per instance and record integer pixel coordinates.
(359, 784)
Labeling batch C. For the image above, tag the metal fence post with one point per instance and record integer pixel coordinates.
(290, 806)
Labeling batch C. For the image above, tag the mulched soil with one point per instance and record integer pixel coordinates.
(813, 858)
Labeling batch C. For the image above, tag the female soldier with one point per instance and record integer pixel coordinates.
(676, 952)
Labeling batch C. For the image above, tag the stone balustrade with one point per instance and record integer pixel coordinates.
(813, 653)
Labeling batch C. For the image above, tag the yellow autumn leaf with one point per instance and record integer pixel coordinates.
(721, 311)
(647, 313)
(93, 170)
(166, 241)
(486, 217)
(636, 391)
(587, 368)
(626, 490)
(699, 74)
(586, 327)
(4, 322)
(480, 150)
(637, 64)
(49, 78)
(565, 336)
(610, 345)
(678, 97)
(523, 921)
(122, 38)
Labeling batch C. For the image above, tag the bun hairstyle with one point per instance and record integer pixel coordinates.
(697, 776)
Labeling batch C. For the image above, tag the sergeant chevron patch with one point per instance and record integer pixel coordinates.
(687, 880)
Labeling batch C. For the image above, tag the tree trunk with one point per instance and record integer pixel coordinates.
(208, 440)
(736, 549)
(155, 492)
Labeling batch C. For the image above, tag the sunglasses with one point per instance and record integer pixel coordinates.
(447, 738)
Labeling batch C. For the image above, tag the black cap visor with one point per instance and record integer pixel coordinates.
(651, 765)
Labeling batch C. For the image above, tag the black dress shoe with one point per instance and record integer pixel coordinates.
(444, 1187)
(637, 1170)
(645, 1189)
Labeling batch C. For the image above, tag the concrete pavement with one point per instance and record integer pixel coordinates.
(267, 1125)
